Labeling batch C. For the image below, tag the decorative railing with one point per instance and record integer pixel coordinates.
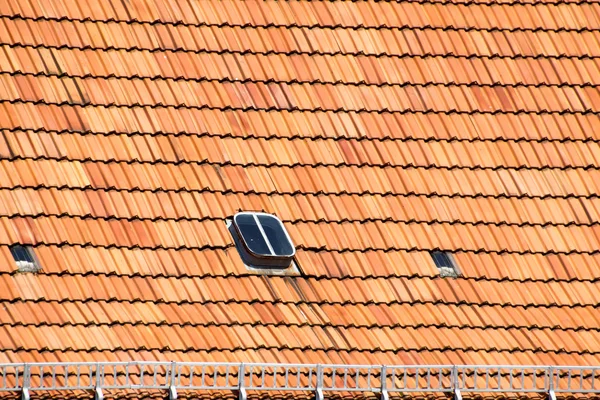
(317, 378)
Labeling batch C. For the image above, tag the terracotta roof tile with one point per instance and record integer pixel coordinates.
(376, 131)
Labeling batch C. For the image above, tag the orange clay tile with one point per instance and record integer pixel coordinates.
(130, 132)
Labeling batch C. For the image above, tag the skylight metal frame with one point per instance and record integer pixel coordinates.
(247, 247)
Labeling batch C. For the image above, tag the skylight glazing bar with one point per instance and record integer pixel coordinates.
(264, 235)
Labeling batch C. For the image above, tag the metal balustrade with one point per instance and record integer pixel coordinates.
(317, 378)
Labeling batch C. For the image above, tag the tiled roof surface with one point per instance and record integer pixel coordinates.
(377, 131)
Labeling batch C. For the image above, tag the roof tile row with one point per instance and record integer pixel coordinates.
(347, 69)
(304, 40)
(376, 14)
(371, 126)
(177, 338)
(382, 291)
(348, 236)
(576, 182)
(311, 357)
(303, 314)
(305, 97)
(259, 151)
(109, 204)
(372, 263)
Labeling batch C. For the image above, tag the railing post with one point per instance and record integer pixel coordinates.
(98, 395)
(172, 387)
(384, 392)
(241, 385)
(455, 384)
(319, 388)
(26, 382)
(551, 394)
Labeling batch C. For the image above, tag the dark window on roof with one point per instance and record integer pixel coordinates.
(251, 234)
(262, 240)
(25, 258)
(445, 263)
(276, 235)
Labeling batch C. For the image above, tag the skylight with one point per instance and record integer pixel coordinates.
(25, 258)
(445, 263)
(262, 240)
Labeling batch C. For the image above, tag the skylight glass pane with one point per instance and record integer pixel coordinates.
(21, 253)
(441, 259)
(276, 235)
(251, 235)
(24, 258)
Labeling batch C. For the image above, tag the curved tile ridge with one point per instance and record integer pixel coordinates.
(375, 13)
(188, 324)
(340, 110)
(300, 81)
(300, 137)
(217, 350)
(394, 341)
(251, 151)
(214, 235)
(317, 278)
(414, 315)
(331, 41)
(391, 303)
(124, 205)
(303, 53)
(223, 163)
(251, 289)
(308, 180)
(355, 69)
(292, 24)
(92, 92)
(76, 260)
(137, 189)
(184, 218)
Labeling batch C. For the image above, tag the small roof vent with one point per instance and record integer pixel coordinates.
(445, 263)
(25, 258)
(262, 240)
